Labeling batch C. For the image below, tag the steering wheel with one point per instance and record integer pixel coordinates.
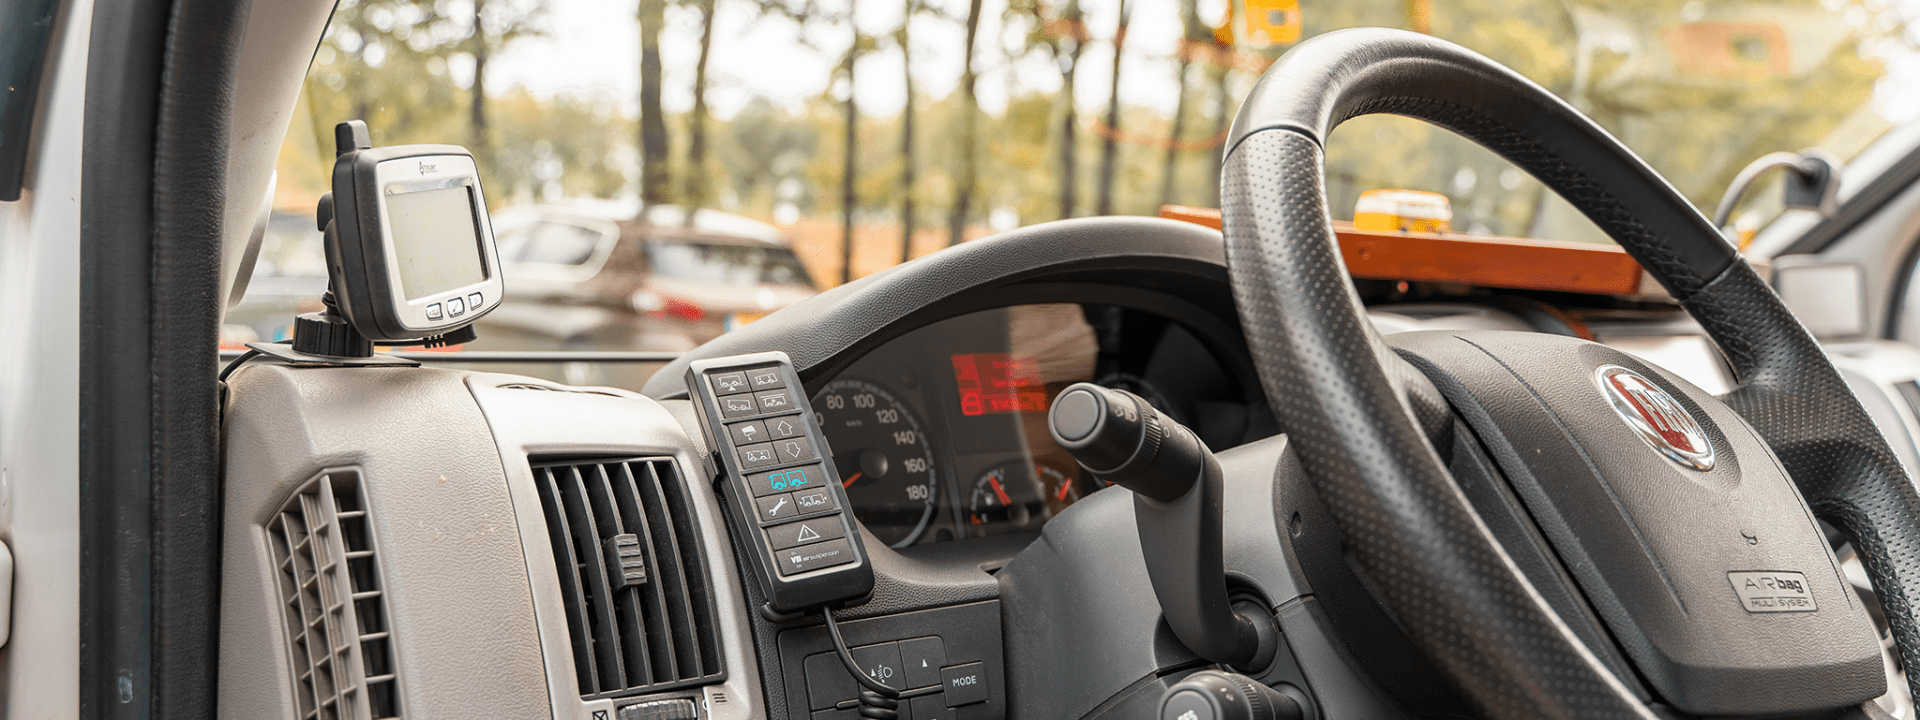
(1342, 394)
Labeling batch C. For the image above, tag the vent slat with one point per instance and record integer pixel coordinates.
(335, 617)
(560, 533)
(663, 628)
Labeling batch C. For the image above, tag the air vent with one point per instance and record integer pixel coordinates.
(336, 616)
(639, 605)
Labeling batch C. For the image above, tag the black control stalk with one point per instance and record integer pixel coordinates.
(1177, 488)
(1213, 695)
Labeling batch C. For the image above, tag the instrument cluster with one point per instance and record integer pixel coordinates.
(941, 434)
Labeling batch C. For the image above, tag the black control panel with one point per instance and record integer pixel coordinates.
(777, 482)
(949, 660)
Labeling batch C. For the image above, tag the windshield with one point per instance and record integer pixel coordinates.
(879, 131)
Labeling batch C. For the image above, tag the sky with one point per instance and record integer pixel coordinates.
(592, 46)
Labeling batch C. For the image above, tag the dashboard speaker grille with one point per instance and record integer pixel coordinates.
(336, 616)
(640, 626)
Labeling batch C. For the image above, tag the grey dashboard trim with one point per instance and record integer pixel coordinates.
(606, 422)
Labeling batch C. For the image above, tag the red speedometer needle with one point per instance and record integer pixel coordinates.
(1004, 500)
(849, 480)
(1064, 487)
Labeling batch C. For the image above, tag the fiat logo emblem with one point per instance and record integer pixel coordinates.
(1656, 417)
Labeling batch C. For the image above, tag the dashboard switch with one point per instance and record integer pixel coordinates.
(806, 532)
(773, 401)
(729, 383)
(671, 709)
(766, 378)
(777, 507)
(923, 658)
(795, 449)
(790, 479)
(814, 557)
(738, 406)
(814, 500)
(747, 433)
(880, 662)
(965, 684)
(757, 456)
(783, 427)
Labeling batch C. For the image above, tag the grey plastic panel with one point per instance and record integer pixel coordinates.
(537, 418)
(444, 525)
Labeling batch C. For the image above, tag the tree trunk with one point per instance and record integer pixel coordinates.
(906, 139)
(698, 184)
(1172, 165)
(969, 124)
(478, 113)
(1070, 122)
(656, 178)
(1223, 118)
(848, 196)
(1110, 148)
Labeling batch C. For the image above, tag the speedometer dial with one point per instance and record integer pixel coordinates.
(883, 457)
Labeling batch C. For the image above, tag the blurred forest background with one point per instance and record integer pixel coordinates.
(1697, 88)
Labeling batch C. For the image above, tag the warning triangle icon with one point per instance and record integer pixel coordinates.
(807, 533)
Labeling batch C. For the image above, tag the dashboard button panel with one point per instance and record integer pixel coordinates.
(807, 555)
(959, 644)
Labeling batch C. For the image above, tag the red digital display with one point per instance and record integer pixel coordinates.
(999, 383)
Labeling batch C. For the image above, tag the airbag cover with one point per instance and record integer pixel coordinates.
(1672, 516)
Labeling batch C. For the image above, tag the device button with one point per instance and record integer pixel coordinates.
(813, 557)
(757, 456)
(473, 301)
(815, 500)
(880, 662)
(773, 401)
(728, 383)
(736, 406)
(965, 684)
(776, 507)
(800, 478)
(766, 378)
(806, 531)
(795, 449)
(923, 658)
(931, 707)
(433, 311)
(748, 432)
(456, 307)
(828, 682)
(785, 427)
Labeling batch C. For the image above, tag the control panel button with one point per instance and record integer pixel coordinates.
(785, 427)
(473, 301)
(433, 312)
(728, 383)
(788, 480)
(965, 684)
(815, 500)
(747, 433)
(766, 378)
(456, 307)
(806, 532)
(776, 507)
(931, 707)
(738, 406)
(828, 682)
(757, 456)
(923, 658)
(880, 662)
(1188, 704)
(813, 557)
(773, 401)
(795, 449)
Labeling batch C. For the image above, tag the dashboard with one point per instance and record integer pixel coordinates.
(941, 435)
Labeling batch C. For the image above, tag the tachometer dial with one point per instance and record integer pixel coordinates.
(1057, 487)
(883, 457)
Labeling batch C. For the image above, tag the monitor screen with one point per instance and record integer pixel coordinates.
(436, 240)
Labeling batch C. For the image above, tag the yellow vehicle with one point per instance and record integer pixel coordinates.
(1403, 211)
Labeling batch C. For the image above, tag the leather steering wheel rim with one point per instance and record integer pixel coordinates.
(1339, 391)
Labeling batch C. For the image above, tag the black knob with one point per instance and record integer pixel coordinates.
(1122, 439)
(1214, 695)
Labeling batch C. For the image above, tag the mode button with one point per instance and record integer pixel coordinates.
(965, 684)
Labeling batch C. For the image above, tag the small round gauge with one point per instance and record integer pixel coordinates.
(883, 457)
(1006, 498)
(1057, 488)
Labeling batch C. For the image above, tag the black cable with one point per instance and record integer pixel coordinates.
(846, 658)
(237, 362)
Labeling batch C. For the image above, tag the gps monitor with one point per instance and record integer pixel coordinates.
(408, 240)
